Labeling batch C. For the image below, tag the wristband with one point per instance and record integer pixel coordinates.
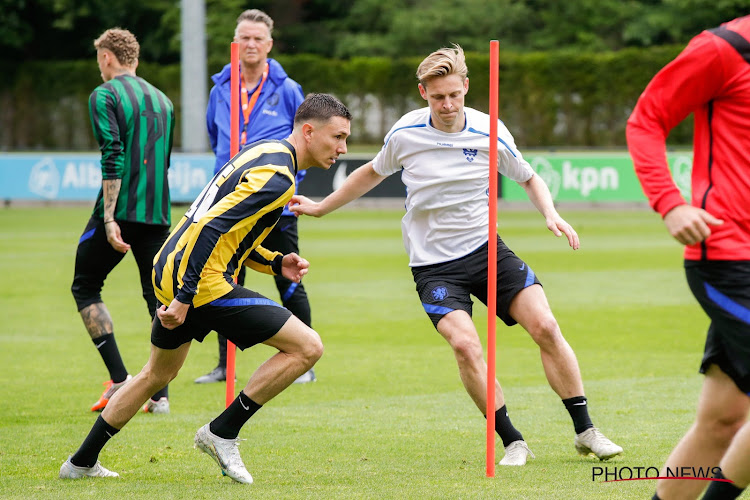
(108, 221)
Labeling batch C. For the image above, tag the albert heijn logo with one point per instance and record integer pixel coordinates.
(470, 154)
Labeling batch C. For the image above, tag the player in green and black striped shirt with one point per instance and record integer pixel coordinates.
(133, 122)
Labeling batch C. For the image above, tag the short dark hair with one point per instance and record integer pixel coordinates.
(321, 107)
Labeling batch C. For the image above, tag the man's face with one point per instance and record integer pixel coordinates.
(255, 42)
(104, 68)
(445, 96)
(327, 140)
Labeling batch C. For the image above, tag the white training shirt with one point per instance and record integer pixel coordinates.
(447, 182)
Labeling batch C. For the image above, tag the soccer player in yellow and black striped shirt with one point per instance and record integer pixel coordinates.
(193, 277)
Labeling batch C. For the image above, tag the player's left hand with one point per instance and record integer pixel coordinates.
(173, 316)
(558, 226)
(293, 267)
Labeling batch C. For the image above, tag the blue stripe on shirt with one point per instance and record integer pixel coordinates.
(499, 140)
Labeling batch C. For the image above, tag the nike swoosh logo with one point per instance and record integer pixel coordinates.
(99, 345)
(522, 267)
(340, 176)
(108, 434)
(243, 405)
(580, 404)
(284, 228)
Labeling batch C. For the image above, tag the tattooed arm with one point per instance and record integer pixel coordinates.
(111, 190)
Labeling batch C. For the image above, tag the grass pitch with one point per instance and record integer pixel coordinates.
(388, 417)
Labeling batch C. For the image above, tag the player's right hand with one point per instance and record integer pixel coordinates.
(690, 225)
(302, 205)
(112, 229)
(173, 316)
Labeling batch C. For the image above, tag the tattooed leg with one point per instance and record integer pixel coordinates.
(97, 320)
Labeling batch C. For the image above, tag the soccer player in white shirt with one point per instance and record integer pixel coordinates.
(443, 152)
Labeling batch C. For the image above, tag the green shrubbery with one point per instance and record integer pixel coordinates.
(547, 99)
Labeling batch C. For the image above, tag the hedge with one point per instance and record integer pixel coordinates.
(547, 99)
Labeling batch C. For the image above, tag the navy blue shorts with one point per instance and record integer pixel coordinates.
(723, 291)
(448, 286)
(243, 316)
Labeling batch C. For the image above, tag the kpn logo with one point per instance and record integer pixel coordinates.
(583, 179)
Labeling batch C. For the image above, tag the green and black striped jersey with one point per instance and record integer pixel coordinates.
(133, 123)
(226, 224)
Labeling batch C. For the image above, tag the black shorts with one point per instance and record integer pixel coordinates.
(242, 316)
(723, 291)
(448, 286)
(95, 259)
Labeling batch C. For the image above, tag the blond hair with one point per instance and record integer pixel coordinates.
(442, 62)
(122, 43)
(256, 16)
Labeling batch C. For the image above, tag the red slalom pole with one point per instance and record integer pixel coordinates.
(492, 258)
(234, 147)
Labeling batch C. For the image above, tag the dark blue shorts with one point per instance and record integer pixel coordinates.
(243, 316)
(448, 286)
(723, 291)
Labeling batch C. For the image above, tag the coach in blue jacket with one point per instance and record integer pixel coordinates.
(269, 99)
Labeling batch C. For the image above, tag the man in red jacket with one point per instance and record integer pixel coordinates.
(711, 79)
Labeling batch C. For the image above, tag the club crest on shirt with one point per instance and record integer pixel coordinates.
(470, 154)
(439, 293)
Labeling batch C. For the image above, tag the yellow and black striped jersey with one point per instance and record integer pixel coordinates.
(225, 226)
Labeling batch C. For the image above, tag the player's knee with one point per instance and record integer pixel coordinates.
(545, 331)
(313, 347)
(721, 428)
(467, 349)
(85, 294)
(156, 378)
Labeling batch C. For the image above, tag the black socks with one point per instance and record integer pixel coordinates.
(504, 427)
(719, 490)
(107, 346)
(228, 424)
(579, 412)
(88, 453)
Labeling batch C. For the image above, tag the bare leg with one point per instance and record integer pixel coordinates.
(162, 367)
(97, 320)
(531, 309)
(459, 330)
(299, 348)
(722, 411)
(736, 462)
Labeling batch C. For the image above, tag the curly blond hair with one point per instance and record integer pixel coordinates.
(122, 43)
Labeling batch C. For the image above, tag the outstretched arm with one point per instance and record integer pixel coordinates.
(357, 184)
(540, 196)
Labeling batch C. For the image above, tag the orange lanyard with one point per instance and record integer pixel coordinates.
(249, 103)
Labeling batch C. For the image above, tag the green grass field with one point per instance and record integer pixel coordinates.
(388, 417)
